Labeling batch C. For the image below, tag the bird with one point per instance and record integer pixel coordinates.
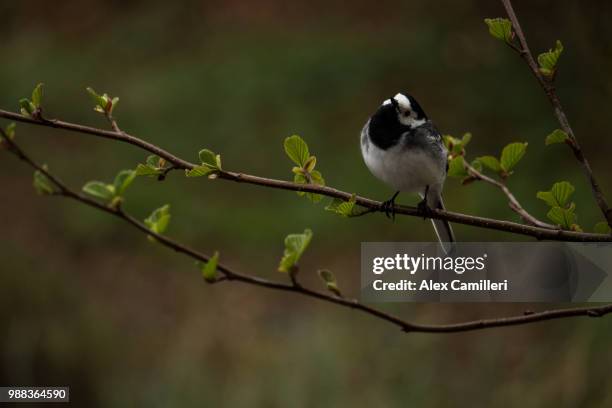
(405, 150)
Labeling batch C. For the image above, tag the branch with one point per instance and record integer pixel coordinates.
(231, 275)
(513, 202)
(178, 163)
(551, 93)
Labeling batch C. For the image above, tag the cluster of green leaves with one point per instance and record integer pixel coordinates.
(158, 221)
(456, 147)
(103, 103)
(209, 269)
(304, 171)
(456, 152)
(548, 60)
(32, 107)
(111, 193)
(503, 166)
(500, 28)
(510, 156)
(210, 165)
(562, 211)
(154, 166)
(41, 183)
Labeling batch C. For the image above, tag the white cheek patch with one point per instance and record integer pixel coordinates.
(405, 106)
(410, 121)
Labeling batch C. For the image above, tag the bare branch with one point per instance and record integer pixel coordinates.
(551, 93)
(512, 201)
(178, 163)
(231, 275)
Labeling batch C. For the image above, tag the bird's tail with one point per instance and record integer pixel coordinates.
(442, 227)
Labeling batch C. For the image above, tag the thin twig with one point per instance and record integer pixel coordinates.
(178, 163)
(551, 93)
(231, 275)
(512, 201)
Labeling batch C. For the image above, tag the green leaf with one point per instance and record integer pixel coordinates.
(102, 103)
(602, 227)
(310, 164)
(146, 170)
(548, 60)
(97, 99)
(42, 184)
(113, 104)
(297, 150)
(511, 155)
(208, 157)
(27, 108)
(564, 217)
(123, 180)
(500, 28)
(557, 136)
(154, 166)
(295, 245)
(37, 94)
(10, 130)
(211, 164)
(300, 178)
(490, 162)
(209, 269)
(159, 219)
(341, 207)
(456, 167)
(547, 197)
(316, 178)
(99, 189)
(450, 141)
(559, 194)
(456, 146)
(153, 161)
(203, 170)
(477, 165)
(330, 281)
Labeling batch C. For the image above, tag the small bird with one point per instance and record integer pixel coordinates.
(403, 148)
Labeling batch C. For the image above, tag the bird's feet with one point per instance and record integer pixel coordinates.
(388, 207)
(423, 208)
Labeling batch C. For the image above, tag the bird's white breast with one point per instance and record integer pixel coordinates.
(408, 170)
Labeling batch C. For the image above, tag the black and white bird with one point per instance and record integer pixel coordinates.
(403, 148)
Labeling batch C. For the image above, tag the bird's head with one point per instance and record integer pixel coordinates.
(404, 109)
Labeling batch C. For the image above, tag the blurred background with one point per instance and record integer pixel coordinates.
(86, 301)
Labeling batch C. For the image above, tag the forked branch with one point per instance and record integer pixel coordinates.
(178, 163)
(549, 89)
(229, 274)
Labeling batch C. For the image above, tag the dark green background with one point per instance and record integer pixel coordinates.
(86, 301)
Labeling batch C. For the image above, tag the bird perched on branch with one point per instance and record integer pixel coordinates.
(402, 147)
